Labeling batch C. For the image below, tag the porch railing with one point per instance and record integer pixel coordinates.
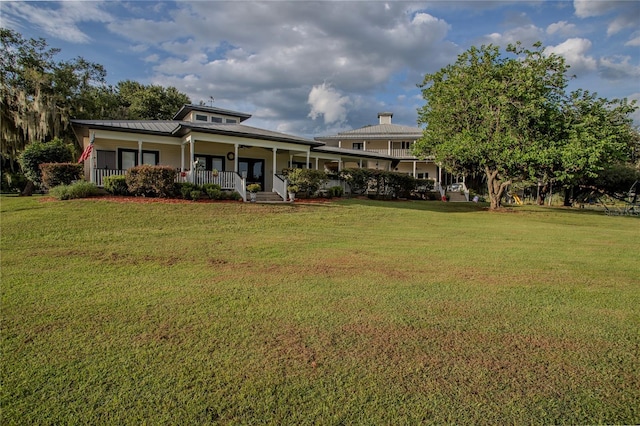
(100, 174)
(280, 184)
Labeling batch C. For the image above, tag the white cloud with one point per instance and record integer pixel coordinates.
(61, 22)
(634, 42)
(561, 27)
(618, 67)
(627, 12)
(574, 50)
(328, 102)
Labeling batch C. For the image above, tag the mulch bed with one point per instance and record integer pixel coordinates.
(148, 200)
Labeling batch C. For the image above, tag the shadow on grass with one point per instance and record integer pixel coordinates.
(430, 206)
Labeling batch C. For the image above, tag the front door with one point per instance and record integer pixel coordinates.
(254, 169)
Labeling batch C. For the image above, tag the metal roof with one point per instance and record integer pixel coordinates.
(181, 128)
(378, 131)
(186, 109)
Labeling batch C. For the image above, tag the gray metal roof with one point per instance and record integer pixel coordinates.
(202, 108)
(378, 131)
(181, 128)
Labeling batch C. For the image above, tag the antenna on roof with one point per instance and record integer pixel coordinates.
(211, 99)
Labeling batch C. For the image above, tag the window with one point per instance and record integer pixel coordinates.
(128, 158)
(200, 117)
(210, 162)
(424, 175)
(216, 119)
(106, 159)
(358, 145)
(231, 120)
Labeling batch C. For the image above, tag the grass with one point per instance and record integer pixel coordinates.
(354, 312)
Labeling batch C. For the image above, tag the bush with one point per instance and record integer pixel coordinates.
(36, 153)
(151, 181)
(308, 181)
(81, 189)
(358, 179)
(235, 195)
(116, 185)
(12, 181)
(54, 174)
(336, 191)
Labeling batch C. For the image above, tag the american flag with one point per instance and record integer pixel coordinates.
(87, 151)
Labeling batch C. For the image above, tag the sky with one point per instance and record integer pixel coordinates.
(317, 68)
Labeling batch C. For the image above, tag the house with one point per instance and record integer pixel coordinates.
(200, 139)
(395, 141)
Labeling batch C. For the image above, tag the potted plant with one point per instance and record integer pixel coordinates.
(214, 173)
(292, 189)
(253, 188)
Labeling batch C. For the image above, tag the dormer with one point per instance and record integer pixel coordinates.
(204, 114)
(385, 117)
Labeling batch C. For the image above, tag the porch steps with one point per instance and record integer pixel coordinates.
(268, 197)
(456, 197)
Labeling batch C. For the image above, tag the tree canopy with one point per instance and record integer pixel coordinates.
(507, 116)
(39, 95)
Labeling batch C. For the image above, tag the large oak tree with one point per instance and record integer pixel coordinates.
(493, 114)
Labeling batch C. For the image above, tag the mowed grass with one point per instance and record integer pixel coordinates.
(352, 312)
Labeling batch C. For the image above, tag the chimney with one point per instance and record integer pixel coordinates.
(385, 117)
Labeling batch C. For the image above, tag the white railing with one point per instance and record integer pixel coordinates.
(100, 174)
(225, 179)
(280, 184)
(240, 186)
(395, 152)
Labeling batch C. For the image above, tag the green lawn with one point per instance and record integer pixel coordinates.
(353, 312)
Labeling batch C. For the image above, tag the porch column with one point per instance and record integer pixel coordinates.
(361, 163)
(339, 144)
(182, 157)
(235, 158)
(275, 152)
(139, 152)
(306, 165)
(92, 161)
(340, 164)
(317, 164)
(290, 160)
(192, 158)
(414, 170)
(364, 145)
(389, 148)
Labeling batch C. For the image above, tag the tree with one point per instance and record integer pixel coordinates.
(38, 95)
(598, 139)
(150, 102)
(36, 153)
(494, 114)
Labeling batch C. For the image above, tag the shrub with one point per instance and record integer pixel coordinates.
(36, 153)
(235, 195)
(54, 174)
(80, 189)
(195, 194)
(151, 181)
(116, 185)
(358, 179)
(12, 181)
(307, 180)
(215, 194)
(336, 191)
(185, 189)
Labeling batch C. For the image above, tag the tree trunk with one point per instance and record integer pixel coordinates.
(496, 188)
(28, 189)
(567, 196)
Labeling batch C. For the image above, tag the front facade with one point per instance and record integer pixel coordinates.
(389, 139)
(210, 145)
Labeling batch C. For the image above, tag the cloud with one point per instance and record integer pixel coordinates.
(574, 50)
(328, 102)
(618, 68)
(627, 12)
(634, 42)
(561, 27)
(61, 22)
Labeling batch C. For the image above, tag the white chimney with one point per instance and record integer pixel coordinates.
(385, 117)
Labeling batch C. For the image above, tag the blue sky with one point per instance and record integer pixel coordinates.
(316, 68)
